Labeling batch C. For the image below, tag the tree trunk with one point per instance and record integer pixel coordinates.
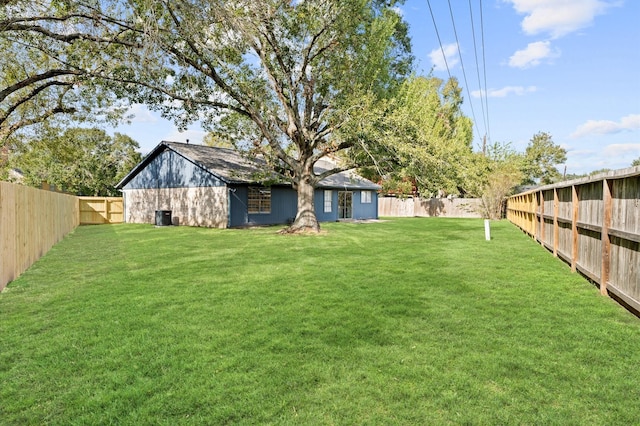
(306, 220)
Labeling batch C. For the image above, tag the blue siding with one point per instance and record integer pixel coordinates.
(283, 207)
(359, 210)
(171, 170)
(365, 210)
(318, 200)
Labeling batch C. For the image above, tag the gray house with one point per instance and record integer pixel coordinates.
(218, 187)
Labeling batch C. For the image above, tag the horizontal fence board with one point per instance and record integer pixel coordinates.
(593, 224)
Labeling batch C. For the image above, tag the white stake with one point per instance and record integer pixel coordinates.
(487, 230)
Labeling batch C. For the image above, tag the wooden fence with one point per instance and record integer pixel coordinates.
(429, 207)
(31, 222)
(100, 210)
(593, 224)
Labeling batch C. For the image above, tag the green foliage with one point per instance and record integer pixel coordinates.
(635, 162)
(52, 59)
(217, 140)
(77, 160)
(414, 321)
(424, 137)
(278, 78)
(541, 158)
(500, 172)
(599, 171)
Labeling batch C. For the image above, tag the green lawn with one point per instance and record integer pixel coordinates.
(408, 321)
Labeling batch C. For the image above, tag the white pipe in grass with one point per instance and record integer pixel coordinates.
(487, 230)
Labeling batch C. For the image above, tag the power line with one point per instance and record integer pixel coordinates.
(464, 74)
(484, 66)
(439, 40)
(475, 51)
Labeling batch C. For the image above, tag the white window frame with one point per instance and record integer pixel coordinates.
(365, 197)
(258, 200)
(328, 200)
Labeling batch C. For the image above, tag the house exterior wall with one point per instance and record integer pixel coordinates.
(171, 182)
(171, 170)
(283, 207)
(204, 206)
(365, 210)
(359, 210)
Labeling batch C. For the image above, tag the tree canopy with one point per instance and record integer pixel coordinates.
(280, 79)
(84, 161)
(52, 66)
(425, 139)
(541, 158)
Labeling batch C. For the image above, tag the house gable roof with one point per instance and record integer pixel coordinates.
(232, 167)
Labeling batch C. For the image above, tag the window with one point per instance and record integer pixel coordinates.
(327, 200)
(259, 200)
(365, 197)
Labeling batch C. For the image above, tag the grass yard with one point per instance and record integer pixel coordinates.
(409, 321)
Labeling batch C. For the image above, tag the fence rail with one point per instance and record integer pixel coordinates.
(31, 222)
(593, 224)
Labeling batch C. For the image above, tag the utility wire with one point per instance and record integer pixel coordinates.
(439, 40)
(482, 92)
(484, 66)
(464, 74)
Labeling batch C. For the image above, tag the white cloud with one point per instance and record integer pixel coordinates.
(450, 53)
(504, 92)
(533, 54)
(558, 17)
(604, 127)
(141, 114)
(622, 150)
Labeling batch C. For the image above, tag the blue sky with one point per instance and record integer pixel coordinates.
(567, 67)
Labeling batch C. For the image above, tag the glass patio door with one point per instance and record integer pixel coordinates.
(345, 204)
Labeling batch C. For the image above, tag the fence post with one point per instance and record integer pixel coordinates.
(606, 240)
(541, 227)
(574, 227)
(556, 230)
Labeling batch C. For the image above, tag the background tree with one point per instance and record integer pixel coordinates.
(501, 173)
(77, 160)
(541, 158)
(279, 78)
(426, 139)
(635, 162)
(214, 139)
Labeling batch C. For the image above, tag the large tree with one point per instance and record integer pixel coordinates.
(279, 78)
(53, 58)
(84, 161)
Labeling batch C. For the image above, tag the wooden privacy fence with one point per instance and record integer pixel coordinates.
(429, 207)
(593, 224)
(31, 222)
(100, 210)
